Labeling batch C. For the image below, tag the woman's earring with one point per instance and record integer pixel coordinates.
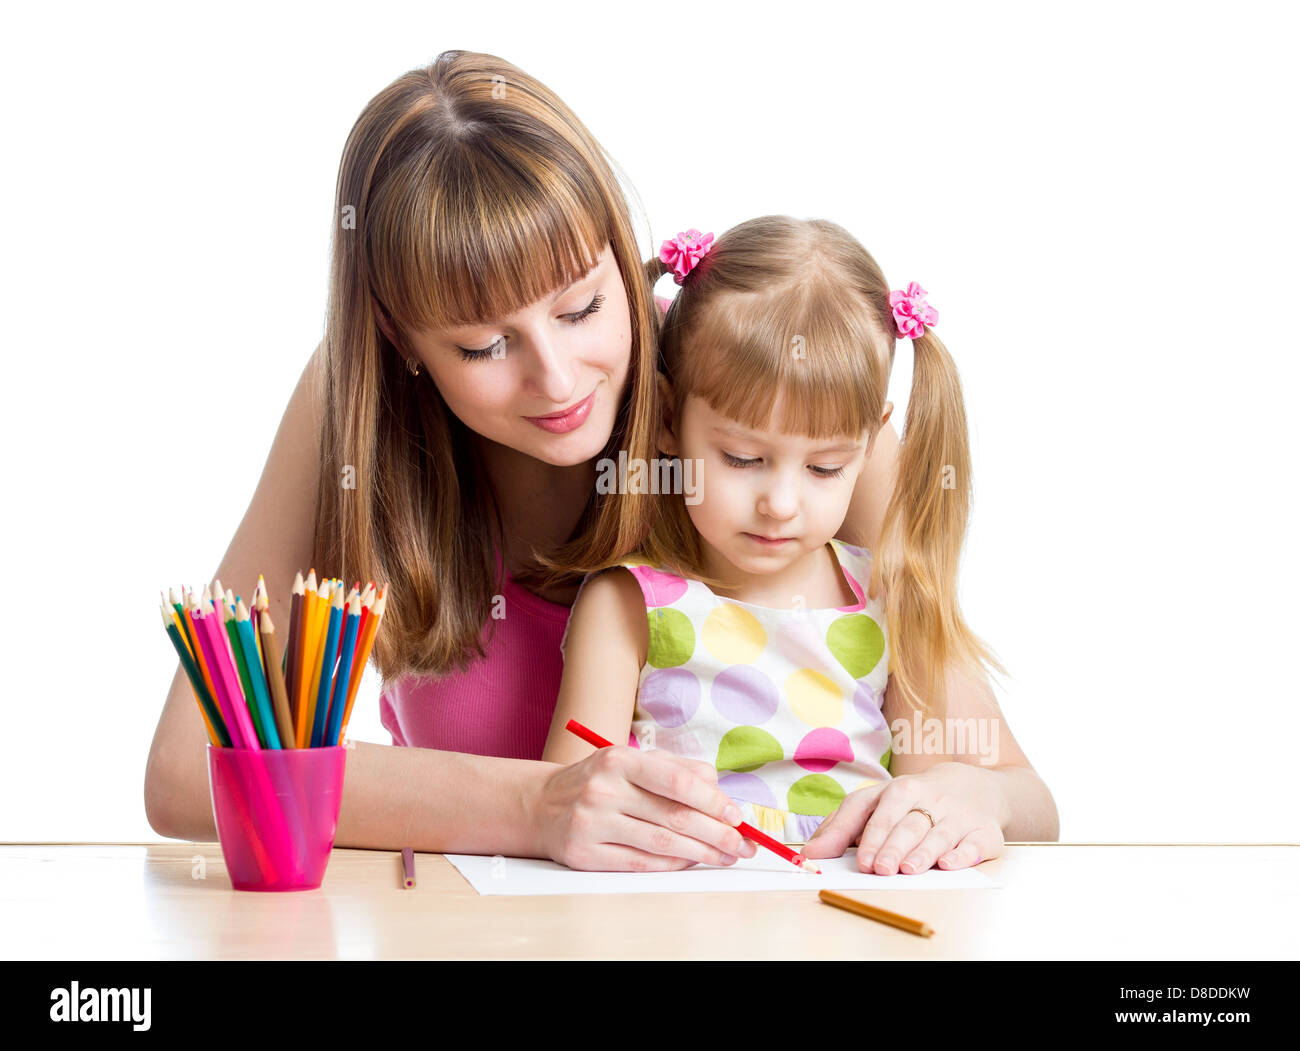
(413, 366)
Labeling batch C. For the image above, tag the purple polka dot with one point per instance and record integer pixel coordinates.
(744, 695)
(747, 788)
(806, 824)
(658, 587)
(867, 703)
(823, 748)
(670, 696)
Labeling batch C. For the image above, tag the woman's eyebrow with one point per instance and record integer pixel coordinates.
(577, 280)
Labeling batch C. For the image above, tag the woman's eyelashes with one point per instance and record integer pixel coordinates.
(821, 472)
(577, 318)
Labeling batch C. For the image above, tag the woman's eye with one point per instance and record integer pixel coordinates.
(587, 311)
(468, 354)
(487, 352)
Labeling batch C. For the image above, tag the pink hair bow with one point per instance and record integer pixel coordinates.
(683, 252)
(911, 312)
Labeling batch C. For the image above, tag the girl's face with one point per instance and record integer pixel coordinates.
(760, 485)
(547, 380)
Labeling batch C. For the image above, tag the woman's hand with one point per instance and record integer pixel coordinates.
(621, 809)
(964, 801)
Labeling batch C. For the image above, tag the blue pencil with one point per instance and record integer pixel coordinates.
(327, 669)
(340, 698)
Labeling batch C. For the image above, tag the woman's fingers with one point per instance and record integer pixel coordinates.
(841, 830)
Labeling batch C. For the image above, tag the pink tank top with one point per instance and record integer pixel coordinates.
(500, 706)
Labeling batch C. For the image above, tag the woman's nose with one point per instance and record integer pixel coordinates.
(550, 371)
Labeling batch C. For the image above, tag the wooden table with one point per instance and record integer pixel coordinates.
(172, 900)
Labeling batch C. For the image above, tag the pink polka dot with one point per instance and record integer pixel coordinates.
(632, 741)
(823, 748)
(659, 588)
(857, 590)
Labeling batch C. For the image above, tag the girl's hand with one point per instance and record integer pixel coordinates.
(621, 809)
(964, 801)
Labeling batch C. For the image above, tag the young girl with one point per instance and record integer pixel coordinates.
(744, 633)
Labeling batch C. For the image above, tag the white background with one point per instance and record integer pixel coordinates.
(1100, 199)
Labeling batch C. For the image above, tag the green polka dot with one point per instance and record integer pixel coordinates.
(857, 642)
(747, 748)
(814, 794)
(884, 759)
(672, 639)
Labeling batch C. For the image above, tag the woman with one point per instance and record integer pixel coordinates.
(491, 335)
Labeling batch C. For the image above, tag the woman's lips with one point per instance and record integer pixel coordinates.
(567, 419)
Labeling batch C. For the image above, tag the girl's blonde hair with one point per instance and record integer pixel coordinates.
(466, 191)
(797, 311)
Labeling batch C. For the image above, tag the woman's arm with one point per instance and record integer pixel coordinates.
(417, 797)
(871, 494)
(977, 733)
(606, 649)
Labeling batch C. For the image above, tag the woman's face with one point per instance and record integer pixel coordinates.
(546, 381)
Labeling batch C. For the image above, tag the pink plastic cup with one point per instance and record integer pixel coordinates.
(276, 811)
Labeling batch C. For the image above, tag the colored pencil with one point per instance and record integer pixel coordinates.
(372, 625)
(871, 912)
(211, 717)
(261, 689)
(325, 673)
(291, 655)
(241, 662)
(339, 693)
(408, 867)
(744, 828)
(279, 694)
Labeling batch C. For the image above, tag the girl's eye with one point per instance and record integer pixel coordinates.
(821, 472)
(578, 318)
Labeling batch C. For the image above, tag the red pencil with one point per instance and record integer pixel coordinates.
(745, 829)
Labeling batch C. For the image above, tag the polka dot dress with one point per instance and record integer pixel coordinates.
(784, 702)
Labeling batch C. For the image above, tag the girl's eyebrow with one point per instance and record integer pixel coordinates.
(737, 432)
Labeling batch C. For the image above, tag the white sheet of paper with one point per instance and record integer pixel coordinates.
(765, 871)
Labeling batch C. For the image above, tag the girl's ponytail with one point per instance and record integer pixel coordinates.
(924, 528)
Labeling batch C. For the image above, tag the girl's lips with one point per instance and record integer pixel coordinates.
(568, 420)
(770, 543)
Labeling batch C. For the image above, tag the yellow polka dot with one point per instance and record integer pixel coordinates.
(815, 698)
(733, 634)
(865, 784)
(769, 819)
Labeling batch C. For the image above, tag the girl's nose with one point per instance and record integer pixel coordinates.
(780, 498)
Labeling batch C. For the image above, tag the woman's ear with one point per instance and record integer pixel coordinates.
(667, 439)
(386, 326)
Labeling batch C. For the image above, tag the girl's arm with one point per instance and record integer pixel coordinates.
(606, 649)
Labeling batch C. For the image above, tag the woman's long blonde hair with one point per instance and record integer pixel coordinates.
(797, 310)
(466, 191)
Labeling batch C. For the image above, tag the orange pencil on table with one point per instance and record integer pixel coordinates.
(871, 912)
(744, 828)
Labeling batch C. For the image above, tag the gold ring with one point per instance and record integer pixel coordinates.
(922, 810)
